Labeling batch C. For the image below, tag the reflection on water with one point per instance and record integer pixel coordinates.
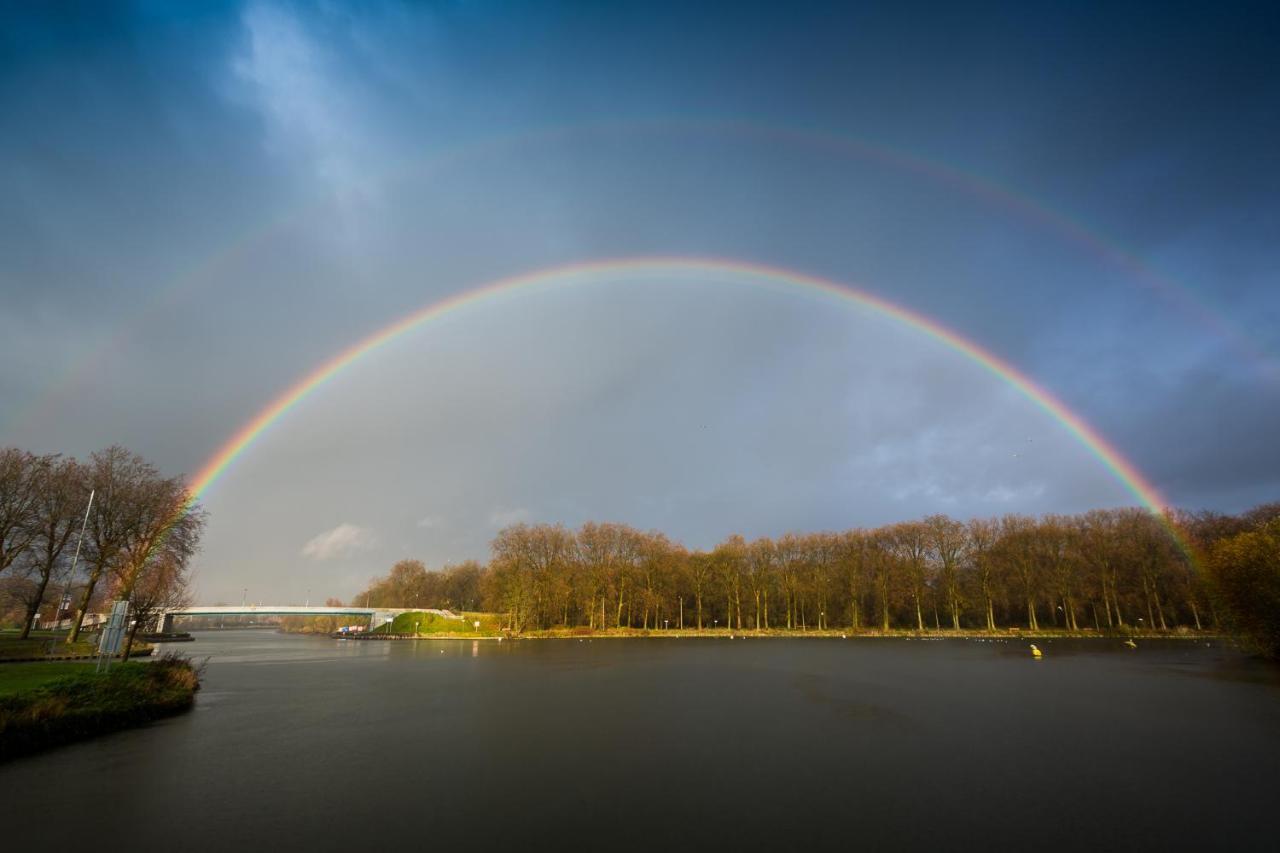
(308, 741)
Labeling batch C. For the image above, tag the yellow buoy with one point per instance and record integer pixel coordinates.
(1035, 651)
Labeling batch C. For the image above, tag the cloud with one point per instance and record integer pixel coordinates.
(306, 105)
(504, 517)
(430, 522)
(342, 541)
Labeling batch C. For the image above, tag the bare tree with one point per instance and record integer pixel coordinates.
(17, 504)
(982, 538)
(60, 493)
(116, 475)
(910, 541)
(947, 541)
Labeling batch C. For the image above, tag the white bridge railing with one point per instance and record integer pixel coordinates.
(375, 615)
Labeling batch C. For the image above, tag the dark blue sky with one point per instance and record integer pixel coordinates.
(204, 201)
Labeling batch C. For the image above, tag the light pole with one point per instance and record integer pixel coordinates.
(65, 601)
(244, 597)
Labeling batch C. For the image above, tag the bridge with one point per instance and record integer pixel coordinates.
(375, 615)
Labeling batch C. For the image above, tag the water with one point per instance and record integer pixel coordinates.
(300, 742)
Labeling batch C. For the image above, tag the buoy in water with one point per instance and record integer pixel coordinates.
(1035, 651)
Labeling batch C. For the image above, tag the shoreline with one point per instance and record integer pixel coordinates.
(723, 634)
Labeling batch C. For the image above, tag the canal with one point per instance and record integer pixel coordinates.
(304, 742)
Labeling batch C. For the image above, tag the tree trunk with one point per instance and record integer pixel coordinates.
(83, 609)
(1146, 591)
(1155, 591)
(128, 643)
(33, 607)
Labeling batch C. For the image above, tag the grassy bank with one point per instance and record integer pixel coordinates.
(52, 645)
(423, 624)
(45, 704)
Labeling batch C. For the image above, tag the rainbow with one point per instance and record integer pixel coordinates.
(739, 272)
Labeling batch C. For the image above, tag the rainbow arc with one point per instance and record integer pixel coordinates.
(750, 274)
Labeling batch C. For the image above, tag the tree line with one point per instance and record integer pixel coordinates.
(139, 536)
(1103, 570)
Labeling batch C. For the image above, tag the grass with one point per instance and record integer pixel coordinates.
(430, 623)
(41, 644)
(17, 677)
(79, 703)
(50, 644)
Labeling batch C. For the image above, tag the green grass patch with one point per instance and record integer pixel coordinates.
(417, 622)
(44, 644)
(82, 703)
(16, 677)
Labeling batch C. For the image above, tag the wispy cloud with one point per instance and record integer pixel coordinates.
(342, 541)
(306, 104)
(504, 516)
(429, 522)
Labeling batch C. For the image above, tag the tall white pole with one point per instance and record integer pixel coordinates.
(66, 591)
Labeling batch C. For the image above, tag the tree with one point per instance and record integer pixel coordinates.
(1245, 573)
(910, 542)
(1017, 550)
(982, 538)
(700, 573)
(117, 476)
(163, 533)
(59, 496)
(730, 558)
(852, 562)
(884, 571)
(17, 504)
(761, 564)
(947, 540)
(1059, 556)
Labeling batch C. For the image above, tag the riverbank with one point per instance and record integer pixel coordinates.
(840, 634)
(62, 702)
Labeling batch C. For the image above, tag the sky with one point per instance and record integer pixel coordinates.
(202, 203)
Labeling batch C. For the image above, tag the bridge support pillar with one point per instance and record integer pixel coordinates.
(165, 625)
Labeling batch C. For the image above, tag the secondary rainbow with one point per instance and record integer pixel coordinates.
(605, 271)
(972, 184)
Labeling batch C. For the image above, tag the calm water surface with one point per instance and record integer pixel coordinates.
(308, 742)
